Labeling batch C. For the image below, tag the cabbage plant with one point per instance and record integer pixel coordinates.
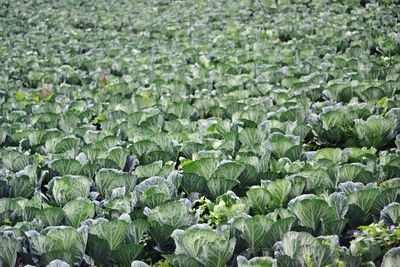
(203, 246)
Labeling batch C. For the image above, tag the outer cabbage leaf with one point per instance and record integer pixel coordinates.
(311, 211)
(9, 246)
(68, 188)
(391, 258)
(78, 210)
(62, 242)
(376, 131)
(166, 218)
(200, 242)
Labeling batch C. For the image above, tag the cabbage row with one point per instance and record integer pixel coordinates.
(200, 133)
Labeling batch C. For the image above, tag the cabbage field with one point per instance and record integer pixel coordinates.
(200, 133)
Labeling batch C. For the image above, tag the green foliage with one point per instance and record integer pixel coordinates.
(225, 208)
(386, 237)
(274, 124)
